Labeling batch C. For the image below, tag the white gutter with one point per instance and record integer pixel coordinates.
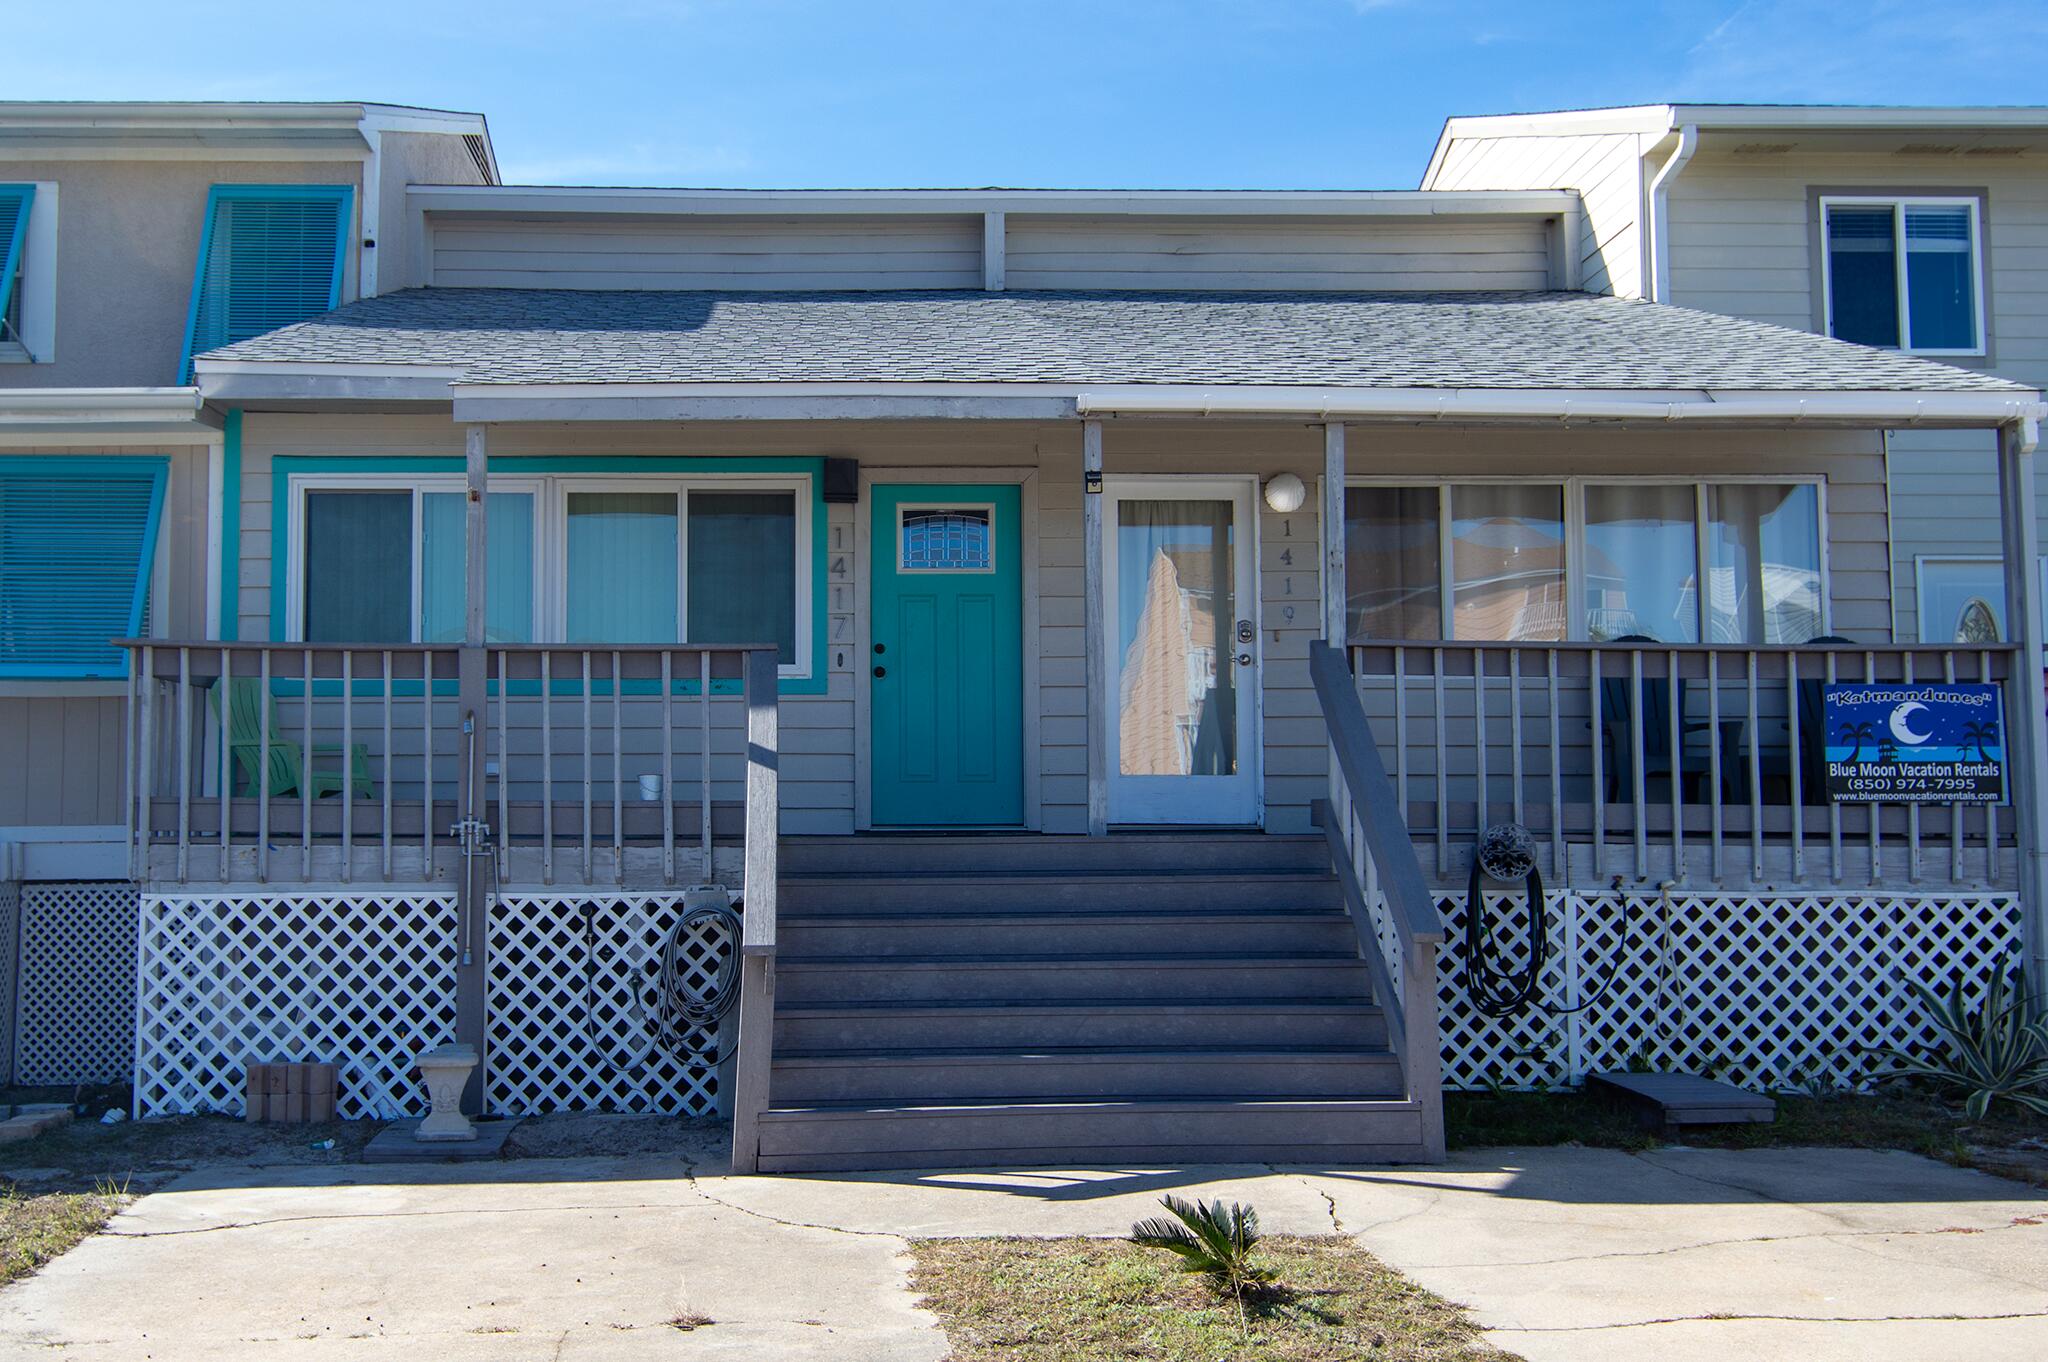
(1660, 216)
(84, 415)
(1878, 409)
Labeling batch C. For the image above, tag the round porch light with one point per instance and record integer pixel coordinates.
(1285, 493)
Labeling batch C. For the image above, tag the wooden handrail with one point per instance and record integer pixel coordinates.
(1380, 816)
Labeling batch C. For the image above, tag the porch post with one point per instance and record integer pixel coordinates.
(471, 795)
(1333, 576)
(1333, 535)
(1095, 643)
(2026, 744)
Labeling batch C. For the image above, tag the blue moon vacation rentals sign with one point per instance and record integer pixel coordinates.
(1908, 743)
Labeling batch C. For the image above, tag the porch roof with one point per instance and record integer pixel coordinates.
(1358, 341)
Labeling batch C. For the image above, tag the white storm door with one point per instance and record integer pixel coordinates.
(1181, 631)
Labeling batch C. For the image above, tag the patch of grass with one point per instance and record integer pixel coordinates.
(1094, 1300)
(1897, 1118)
(35, 1229)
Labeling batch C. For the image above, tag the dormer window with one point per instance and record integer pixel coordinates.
(1905, 273)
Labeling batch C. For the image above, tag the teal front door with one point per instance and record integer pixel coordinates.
(947, 656)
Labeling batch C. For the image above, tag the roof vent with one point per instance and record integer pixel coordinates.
(478, 153)
(1927, 149)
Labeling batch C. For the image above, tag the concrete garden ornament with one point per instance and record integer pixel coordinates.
(445, 1070)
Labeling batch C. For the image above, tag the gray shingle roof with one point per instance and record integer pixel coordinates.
(1362, 340)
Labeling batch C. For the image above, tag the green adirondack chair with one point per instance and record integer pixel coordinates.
(289, 770)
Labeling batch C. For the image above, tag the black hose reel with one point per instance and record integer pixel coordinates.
(1506, 853)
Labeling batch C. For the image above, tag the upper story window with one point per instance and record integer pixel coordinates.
(77, 539)
(16, 203)
(1905, 273)
(271, 255)
(1631, 553)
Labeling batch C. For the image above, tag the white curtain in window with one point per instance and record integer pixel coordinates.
(1642, 562)
(1507, 562)
(1765, 584)
(1176, 705)
(622, 562)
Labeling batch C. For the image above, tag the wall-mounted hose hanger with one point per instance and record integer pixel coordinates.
(682, 1004)
(1506, 853)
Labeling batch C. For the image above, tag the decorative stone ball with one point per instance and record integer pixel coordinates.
(1507, 851)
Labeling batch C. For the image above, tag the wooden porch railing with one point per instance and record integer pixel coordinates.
(1390, 903)
(328, 763)
(1686, 761)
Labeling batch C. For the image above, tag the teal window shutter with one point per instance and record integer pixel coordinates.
(77, 537)
(271, 255)
(15, 201)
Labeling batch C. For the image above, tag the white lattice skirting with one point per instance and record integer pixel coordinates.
(363, 980)
(1770, 991)
(569, 994)
(75, 998)
(368, 979)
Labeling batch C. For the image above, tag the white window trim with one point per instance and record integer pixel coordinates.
(995, 547)
(417, 484)
(1574, 489)
(38, 343)
(550, 539)
(553, 546)
(1923, 561)
(1899, 203)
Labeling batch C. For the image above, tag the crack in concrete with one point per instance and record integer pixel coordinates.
(1832, 1235)
(1733, 1318)
(697, 1186)
(384, 1215)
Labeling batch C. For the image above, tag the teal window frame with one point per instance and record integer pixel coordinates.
(810, 469)
(342, 194)
(157, 471)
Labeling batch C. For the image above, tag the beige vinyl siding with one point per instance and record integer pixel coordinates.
(707, 253)
(1743, 242)
(1606, 169)
(1214, 253)
(60, 742)
(1944, 504)
(820, 770)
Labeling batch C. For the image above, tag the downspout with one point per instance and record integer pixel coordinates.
(1660, 217)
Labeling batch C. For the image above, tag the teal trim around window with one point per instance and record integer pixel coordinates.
(812, 467)
(77, 542)
(303, 246)
(15, 202)
(231, 526)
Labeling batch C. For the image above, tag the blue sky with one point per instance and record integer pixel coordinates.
(1142, 93)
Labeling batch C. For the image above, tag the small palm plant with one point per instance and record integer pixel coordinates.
(1214, 1240)
(1995, 1050)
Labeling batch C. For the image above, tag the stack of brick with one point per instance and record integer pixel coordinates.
(290, 1093)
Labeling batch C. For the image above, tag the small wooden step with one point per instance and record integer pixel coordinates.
(1673, 1100)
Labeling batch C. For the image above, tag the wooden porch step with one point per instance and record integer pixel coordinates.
(995, 853)
(1068, 977)
(815, 894)
(1249, 1023)
(967, 933)
(1084, 1074)
(963, 1134)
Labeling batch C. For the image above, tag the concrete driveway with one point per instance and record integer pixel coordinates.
(1561, 1253)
